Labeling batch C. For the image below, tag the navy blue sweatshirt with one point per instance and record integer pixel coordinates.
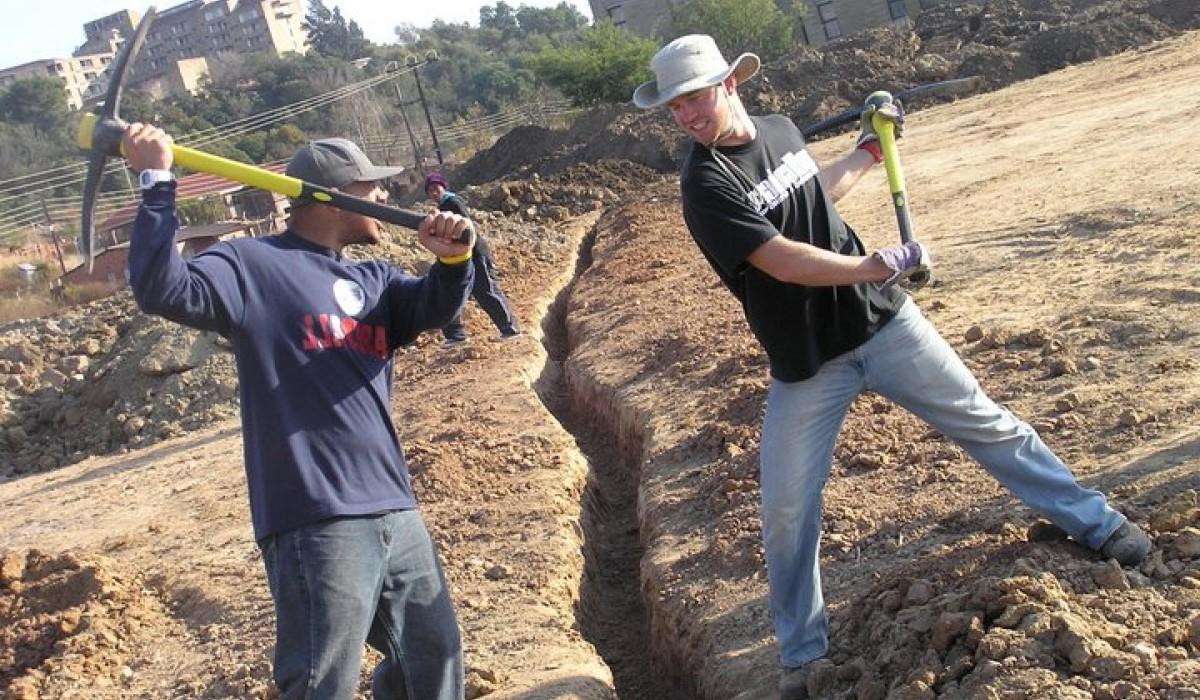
(313, 334)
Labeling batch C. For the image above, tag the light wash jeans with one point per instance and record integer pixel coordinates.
(375, 579)
(911, 364)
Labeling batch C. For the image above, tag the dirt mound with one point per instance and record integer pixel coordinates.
(105, 378)
(999, 41)
(66, 622)
(613, 132)
(1022, 619)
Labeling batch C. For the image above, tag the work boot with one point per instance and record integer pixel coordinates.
(1128, 545)
(793, 682)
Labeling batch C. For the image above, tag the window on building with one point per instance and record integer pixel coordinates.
(827, 13)
(617, 14)
(897, 9)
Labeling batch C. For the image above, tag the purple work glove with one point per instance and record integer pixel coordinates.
(909, 263)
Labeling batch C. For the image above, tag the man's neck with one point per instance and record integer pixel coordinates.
(740, 132)
(316, 234)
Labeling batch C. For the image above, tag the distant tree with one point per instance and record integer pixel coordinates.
(499, 17)
(329, 34)
(407, 34)
(40, 102)
(739, 25)
(605, 65)
(563, 17)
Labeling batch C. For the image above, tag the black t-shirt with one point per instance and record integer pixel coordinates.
(456, 205)
(757, 191)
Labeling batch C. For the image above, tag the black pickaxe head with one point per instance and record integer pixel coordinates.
(101, 135)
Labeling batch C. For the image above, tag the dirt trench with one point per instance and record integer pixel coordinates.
(611, 612)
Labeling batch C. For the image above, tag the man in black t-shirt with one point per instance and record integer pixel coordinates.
(486, 289)
(834, 323)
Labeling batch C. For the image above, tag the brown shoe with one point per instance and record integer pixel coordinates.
(793, 682)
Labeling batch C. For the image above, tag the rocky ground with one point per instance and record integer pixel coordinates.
(593, 484)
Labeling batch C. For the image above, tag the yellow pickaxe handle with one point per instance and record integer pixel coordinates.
(252, 175)
(885, 129)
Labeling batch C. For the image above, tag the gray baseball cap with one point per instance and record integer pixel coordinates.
(336, 163)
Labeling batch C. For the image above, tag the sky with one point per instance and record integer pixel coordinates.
(33, 30)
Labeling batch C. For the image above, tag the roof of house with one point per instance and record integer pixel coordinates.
(188, 187)
(186, 233)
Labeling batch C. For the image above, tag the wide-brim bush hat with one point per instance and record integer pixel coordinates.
(687, 64)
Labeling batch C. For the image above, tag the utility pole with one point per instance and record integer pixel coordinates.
(437, 148)
(53, 236)
(412, 138)
(400, 104)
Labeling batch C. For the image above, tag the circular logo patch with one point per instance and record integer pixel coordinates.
(349, 296)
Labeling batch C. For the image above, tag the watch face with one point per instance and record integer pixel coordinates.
(149, 178)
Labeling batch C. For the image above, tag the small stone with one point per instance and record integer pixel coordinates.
(919, 593)
(1145, 653)
(1129, 418)
(1186, 544)
(1067, 403)
(973, 333)
(1091, 363)
(1109, 574)
(498, 572)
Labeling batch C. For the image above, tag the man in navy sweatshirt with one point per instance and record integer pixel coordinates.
(348, 558)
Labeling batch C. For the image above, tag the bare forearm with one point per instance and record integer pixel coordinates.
(840, 176)
(801, 263)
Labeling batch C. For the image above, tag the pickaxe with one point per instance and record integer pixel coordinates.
(885, 129)
(100, 135)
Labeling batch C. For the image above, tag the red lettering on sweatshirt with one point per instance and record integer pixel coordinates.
(328, 331)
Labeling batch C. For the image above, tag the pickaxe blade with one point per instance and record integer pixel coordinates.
(100, 135)
(103, 137)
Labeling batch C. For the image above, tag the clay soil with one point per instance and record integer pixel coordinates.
(592, 484)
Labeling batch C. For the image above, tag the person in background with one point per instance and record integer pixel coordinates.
(486, 290)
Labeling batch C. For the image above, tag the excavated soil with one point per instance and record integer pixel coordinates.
(593, 485)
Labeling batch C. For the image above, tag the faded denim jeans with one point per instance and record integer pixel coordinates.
(911, 364)
(375, 579)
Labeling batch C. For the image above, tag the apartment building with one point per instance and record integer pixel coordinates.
(78, 73)
(824, 20)
(209, 28)
(185, 43)
(188, 42)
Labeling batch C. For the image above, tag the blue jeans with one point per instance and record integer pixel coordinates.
(486, 291)
(911, 364)
(374, 579)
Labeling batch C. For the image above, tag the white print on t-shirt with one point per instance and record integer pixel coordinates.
(796, 169)
(349, 296)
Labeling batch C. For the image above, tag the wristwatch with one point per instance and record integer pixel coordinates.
(150, 177)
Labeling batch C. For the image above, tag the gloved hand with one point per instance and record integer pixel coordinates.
(909, 263)
(893, 111)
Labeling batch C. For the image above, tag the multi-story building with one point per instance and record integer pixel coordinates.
(824, 20)
(182, 46)
(209, 28)
(78, 73)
